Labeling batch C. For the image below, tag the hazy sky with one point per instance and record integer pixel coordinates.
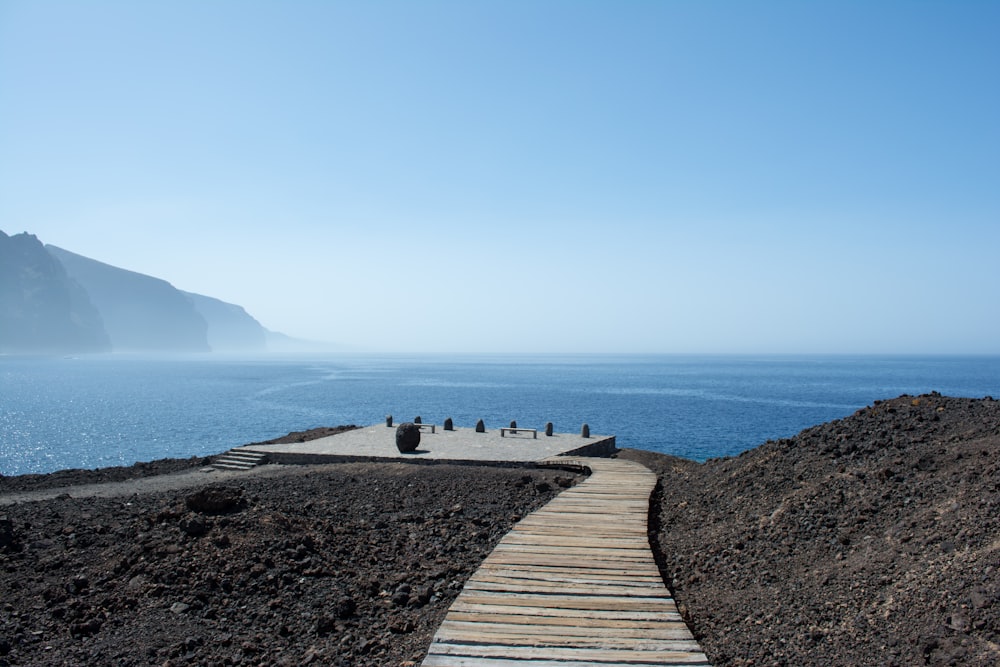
(526, 176)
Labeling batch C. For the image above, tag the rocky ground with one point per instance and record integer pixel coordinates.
(343, 564)
(872, 540)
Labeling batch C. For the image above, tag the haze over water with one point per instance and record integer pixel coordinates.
(98, 411)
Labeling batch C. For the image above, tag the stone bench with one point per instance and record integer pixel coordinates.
(430, 426)
(511, 429)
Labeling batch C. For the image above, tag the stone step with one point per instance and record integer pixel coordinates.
(237, 460)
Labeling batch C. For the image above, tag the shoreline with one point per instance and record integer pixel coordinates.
(71, 477)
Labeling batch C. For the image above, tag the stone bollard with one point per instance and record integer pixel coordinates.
(407, 437)
(585, 431)
(388, 420)
(480, 427)
(548, 428)
(513, 423)
(416, 420)
(448, 424)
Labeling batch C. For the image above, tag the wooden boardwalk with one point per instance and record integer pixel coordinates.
(572, 585)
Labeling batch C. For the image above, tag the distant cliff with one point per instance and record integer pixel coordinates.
(229, 326)
(42, 309)
(55, 301)
(140, 313)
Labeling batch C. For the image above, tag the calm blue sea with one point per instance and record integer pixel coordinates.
(98, 411)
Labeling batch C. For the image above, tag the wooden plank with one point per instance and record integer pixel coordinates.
(576, 584)
(568, 574)
(574, 550)
(550, 612)
(595, 602)
(554, 560)
(571, 569)
(541, 587)
(466, 661)
(569, 519)
(640, 542)
(689, 651)
(584, 526)
(585, 621)
(647, 640)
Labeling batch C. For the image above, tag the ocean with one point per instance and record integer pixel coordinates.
(96, 411)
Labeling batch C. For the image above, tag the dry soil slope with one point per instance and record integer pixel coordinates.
(874, 539)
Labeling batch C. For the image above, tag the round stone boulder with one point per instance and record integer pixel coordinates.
(407, 437)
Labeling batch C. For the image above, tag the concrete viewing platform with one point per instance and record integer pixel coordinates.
(378, 443)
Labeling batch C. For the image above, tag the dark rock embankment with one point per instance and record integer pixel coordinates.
(871, 540)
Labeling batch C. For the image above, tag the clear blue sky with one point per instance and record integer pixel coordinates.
(526, 176)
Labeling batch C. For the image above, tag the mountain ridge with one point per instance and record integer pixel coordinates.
(42, 309)
(55, 301)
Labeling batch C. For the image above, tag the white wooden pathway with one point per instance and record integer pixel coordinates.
(572, 585)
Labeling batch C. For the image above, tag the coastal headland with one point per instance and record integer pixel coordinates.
(868, 540)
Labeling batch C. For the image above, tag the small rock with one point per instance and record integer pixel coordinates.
(402, 595)
(345, 607)
(401, 626)
(216, 500)
(194, 526)
(77, 584)
(325, 625)
(91, 627)
(979, 598)
(179, 607)
(8, 541)
(424, 594)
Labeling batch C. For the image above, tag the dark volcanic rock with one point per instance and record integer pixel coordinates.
(305, 575)
(8, 540)
(407, 437)
(870, 540)
(216, 500)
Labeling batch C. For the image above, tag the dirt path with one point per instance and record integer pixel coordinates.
(142, 485)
